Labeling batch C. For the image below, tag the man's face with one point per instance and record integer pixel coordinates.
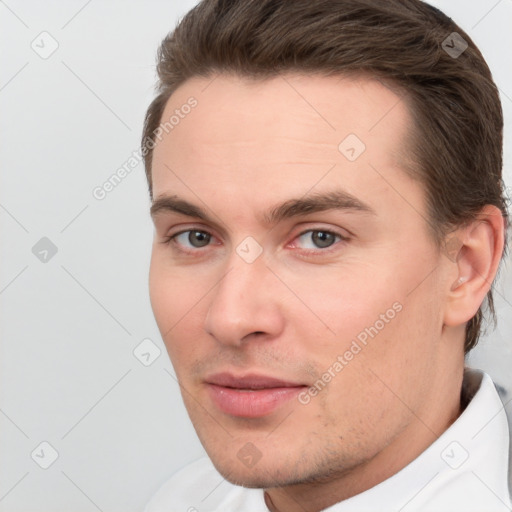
(304, 339)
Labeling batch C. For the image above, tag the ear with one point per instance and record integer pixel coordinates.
(476, 251)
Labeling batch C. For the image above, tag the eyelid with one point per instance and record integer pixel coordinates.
(170, 238)
(325, 250)
(184, 228)
(306, 227)
(324, 230)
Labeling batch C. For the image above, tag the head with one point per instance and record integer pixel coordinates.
(320, 221)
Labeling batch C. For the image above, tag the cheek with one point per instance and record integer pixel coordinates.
(389, 375)
(161, 293)
(172, 291)
(178, 299)
(376, 328)
(345, 305)
(171, 297)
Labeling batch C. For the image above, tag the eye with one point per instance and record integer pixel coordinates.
(319, 239)
(190, 239)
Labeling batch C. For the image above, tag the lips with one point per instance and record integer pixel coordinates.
(249, 382)
(250, 396)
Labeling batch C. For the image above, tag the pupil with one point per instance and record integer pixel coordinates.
(198, 238)
(322, 239)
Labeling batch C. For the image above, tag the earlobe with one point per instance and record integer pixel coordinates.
(477, 263)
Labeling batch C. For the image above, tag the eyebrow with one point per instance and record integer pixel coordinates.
(295, 207)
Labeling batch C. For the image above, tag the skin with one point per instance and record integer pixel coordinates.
(247, 147)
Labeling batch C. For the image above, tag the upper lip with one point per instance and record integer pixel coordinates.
(251, 381)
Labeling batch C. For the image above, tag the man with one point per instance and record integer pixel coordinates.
(329, 217)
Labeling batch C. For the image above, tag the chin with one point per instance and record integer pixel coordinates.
(257, 479)
(260, 476)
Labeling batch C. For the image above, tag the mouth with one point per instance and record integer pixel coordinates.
(250, 396)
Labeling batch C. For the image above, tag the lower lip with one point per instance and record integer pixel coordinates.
(251, 404)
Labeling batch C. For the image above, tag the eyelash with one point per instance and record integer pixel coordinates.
(171, 240)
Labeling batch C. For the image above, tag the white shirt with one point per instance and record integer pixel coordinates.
(465, 470)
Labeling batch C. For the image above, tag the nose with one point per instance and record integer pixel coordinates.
(245, 304)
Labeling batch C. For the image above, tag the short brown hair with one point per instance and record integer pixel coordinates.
(456, 144)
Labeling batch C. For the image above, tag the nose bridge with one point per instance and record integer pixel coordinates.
(244, 301)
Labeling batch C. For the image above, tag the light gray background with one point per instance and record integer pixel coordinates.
(69, 326)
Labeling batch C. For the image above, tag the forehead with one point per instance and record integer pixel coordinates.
(280, 134)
